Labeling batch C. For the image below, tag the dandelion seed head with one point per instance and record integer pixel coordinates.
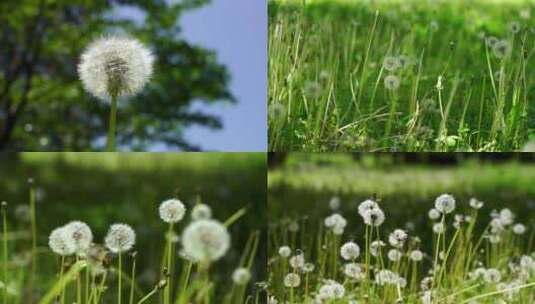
(433, 214)
(491, 41)
(525, 13)
(312, 89)
(172, 211)
(297, 261)
(384, 277)
(115, 65)
(397, 238)
(514, 27)
(519, 229)
(308, 267)
(391, 63)
(476, 204)
(433, 26)
(336, 223)
(331, 290)
(445, 203)
(492, 276)
(206, 240)
(375, 247)
(416, 255)
(60, 243)
(392, 82)
(80, 235)
(354, 271)
(285, 251)
(277, 112)
(334, 203)
(367, 205)
(374, 217)
(120, 238)
(438, 228)
(394, 255)
(241, 276)
(292, 280)
(350, 251)
(201, 212)
(502, 49)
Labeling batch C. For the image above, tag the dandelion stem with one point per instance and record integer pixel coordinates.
(167, 294)
(34, 235)
(110, 144)
(4, 242)
(120, 276)
(132, 280)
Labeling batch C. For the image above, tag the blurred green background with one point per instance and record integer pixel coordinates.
(103, 188)
(302, 184)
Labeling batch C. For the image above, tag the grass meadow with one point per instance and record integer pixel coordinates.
(401, 75)
(374, 229)
(59, 243)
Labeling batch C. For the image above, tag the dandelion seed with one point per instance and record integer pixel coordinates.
(336, 223)
(394, 255)
(277, 112)
(118, 66)
(476, 204)
(506, 217)
(312, 89)
(391, 63)
(502, 49)
(445, 203)
(201, 212)
(494, 238)
(416, 255)
(241, 276)
(293, 226)
(285, 251)
(60, 242)
(292, 280)
(525, 13)
(350, 251)
(120, 238)
(519, 229)
(172, 211)
(80, 235)
(384, 277)
(206, 240)
(392, 82)
(397, 238)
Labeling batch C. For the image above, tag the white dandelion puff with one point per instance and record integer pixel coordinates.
(519, 229)
(292, 280)
(502, 49)
(367, 205)
(308, 267)
(514, 27)
(241, 276)
(120, 238)
(331, 290)
(206, 240)
(201, 212)
(60, 243)
(433, 214)
(80, 235)
(394, 255)
(416, 255)
(354, 271)
(491, 41)
(391, 63)
(475, 203)
(438, 228)
(492, 276)
(445, 203)
(297, 261)
(375, 247)
(350, 251)
(119, 66)
(172, 211)
(374, 217)
(397, 238)
(285, 251)
(392, 82)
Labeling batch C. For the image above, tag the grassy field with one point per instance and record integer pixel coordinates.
(401, 75)
(101, 189)
(476, 258)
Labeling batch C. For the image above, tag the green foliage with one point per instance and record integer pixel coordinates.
(42, 103)
(327, 87)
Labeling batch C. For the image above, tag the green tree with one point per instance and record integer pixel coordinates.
(43, 105)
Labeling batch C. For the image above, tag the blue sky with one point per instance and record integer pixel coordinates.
(237, 30)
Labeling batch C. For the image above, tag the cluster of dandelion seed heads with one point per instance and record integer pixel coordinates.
(120, 238)
(75, 237)
(115, 66)
(205, 240)
(172, 211)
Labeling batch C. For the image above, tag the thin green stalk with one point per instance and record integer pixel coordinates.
(120, 274)
(167, 292)
(4, 243)
(110, 143)
(132, 279)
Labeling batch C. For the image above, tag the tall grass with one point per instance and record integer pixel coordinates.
(462, 67)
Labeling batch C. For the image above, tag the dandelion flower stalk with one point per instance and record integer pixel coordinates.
(34, 233)
(113, 67)
(4, 243)
(132, 278)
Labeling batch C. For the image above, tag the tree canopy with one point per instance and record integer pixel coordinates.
(43, 105)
